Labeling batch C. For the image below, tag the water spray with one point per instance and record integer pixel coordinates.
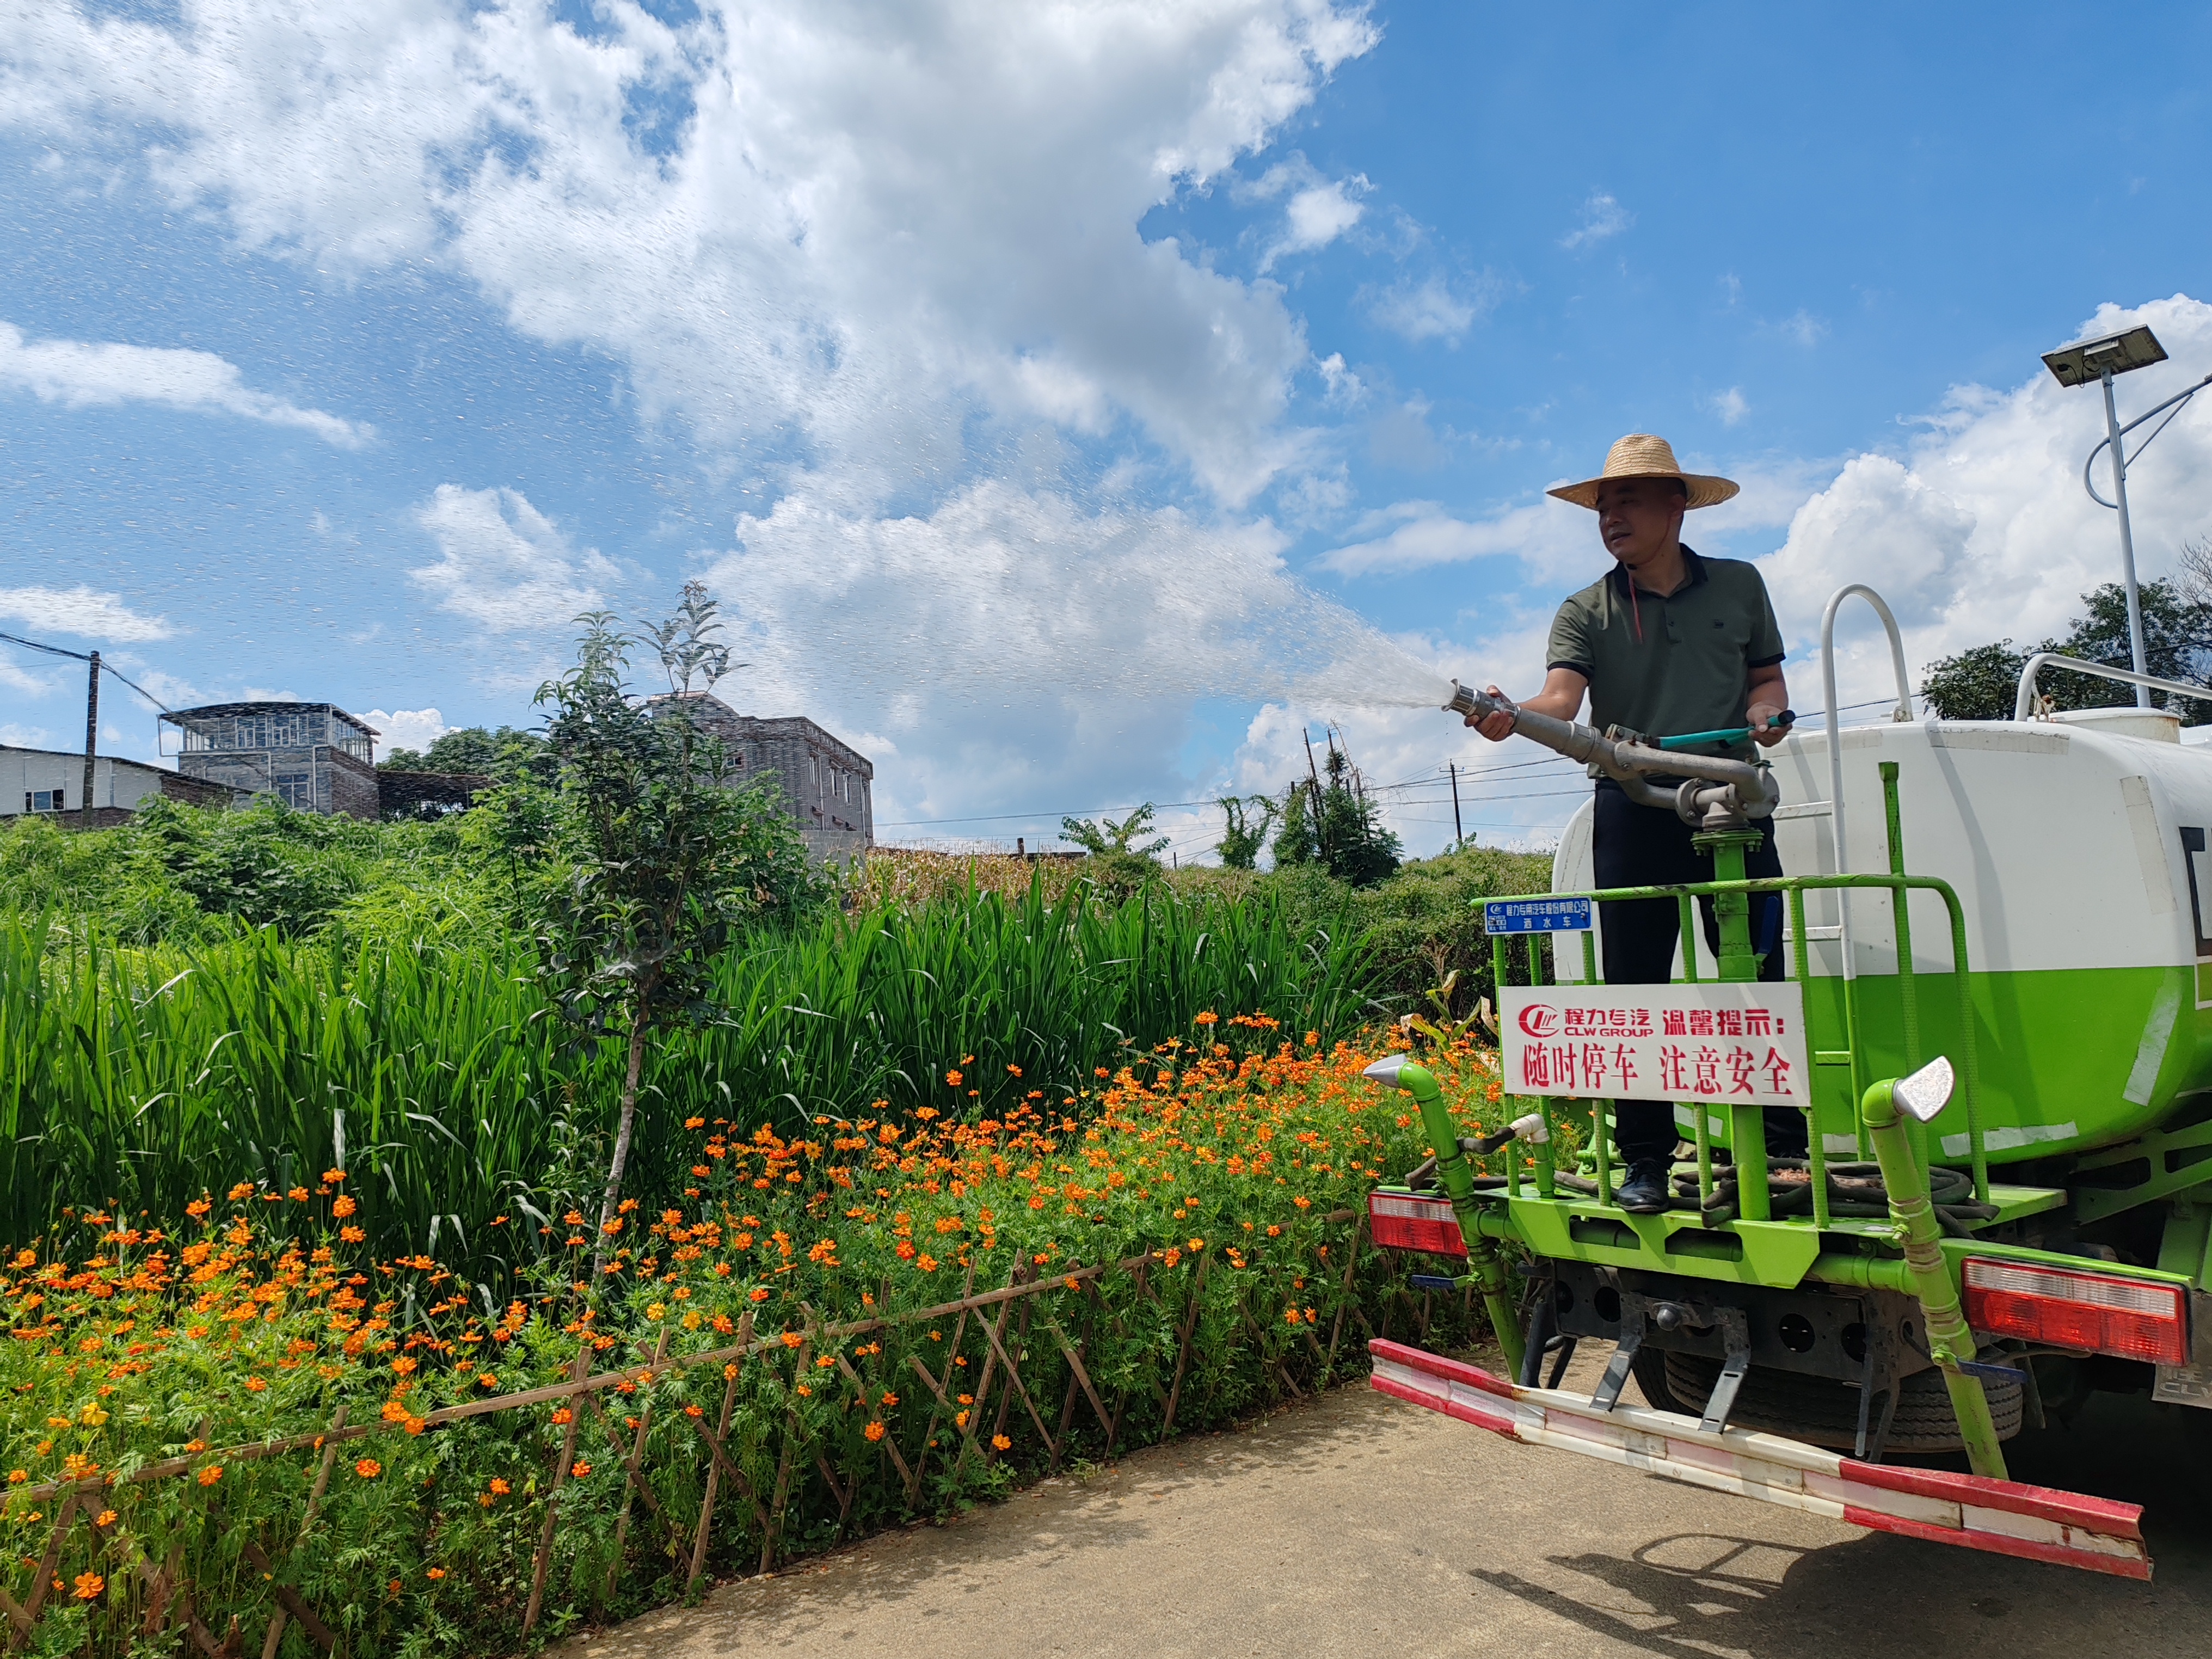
(1716, 793)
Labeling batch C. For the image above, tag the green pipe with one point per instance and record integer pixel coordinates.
(1950, 1344)
(1485, 1265)
(1739, 965)
(1908, 988)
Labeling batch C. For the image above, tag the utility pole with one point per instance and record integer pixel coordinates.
(1321, 838)
(91, 740)
(1459, 830)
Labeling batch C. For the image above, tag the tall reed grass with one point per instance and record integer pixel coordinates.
(431, 1070)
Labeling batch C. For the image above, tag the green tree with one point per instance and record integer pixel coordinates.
(664, 858)
(1120, 865)
(1981, 683)
(1976, 684)
(502, 754)
(1241, 837)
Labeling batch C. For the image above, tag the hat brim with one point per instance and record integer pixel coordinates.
(1705, 489)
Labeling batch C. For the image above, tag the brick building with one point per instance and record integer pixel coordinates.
(826, 783)
(312, 755)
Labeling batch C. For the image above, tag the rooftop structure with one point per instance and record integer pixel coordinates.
(51, 782)
(826, 783)
(313, 756)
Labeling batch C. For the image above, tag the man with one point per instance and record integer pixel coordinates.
(1665, 642)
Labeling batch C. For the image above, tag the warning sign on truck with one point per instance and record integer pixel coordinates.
(1739, 1044)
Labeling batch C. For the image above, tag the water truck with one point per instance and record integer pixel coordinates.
(1995, 1018)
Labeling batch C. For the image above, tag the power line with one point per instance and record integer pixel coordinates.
(82, 656)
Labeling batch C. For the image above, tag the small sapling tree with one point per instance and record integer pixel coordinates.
(665, 862)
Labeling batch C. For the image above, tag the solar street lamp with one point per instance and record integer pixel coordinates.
(2100, 360)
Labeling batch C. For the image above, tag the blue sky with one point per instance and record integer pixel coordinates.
(1048, 389)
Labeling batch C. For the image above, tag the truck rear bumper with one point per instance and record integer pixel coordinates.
(2003, 1517)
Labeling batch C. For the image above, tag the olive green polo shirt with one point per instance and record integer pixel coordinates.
(1664, 665)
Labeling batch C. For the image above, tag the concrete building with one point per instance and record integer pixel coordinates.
(826, 783)
(312, 755)
(51, 782)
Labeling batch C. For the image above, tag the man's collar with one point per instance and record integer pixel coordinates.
(1693, 566)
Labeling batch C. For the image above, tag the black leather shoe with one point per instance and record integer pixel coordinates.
(1644, 1191)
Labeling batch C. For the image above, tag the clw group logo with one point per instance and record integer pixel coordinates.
(1540, 1020)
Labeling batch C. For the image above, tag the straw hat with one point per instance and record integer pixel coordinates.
(1639, 455)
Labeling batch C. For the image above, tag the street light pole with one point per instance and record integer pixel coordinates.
(2127, 539)
(2100, 360)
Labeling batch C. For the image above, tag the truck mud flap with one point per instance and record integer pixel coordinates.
(2005, 1517)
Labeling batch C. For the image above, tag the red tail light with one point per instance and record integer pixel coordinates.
(1414, 1221)
(2094, 1312)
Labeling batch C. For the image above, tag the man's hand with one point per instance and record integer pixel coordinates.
(1497, 725)
(1561, 698)
(1764, 732)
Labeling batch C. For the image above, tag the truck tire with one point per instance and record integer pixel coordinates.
(1649, 1368)
(1826, 1412)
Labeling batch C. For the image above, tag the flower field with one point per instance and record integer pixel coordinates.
(245, 1412)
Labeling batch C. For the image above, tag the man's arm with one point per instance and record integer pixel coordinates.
(1767, 696)
(1561, 698)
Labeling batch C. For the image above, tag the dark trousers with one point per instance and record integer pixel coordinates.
(1634, 846)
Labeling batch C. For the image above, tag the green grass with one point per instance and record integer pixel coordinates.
(430, 1070)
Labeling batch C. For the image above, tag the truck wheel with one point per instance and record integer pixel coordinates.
(1826, 1412)
(1649, 1368)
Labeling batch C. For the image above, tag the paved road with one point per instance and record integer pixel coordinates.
(1355, 1525)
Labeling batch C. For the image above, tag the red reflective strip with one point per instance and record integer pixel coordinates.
(1997, 1543)
(2070, 1508)
(1452, 1371)
(1441, 1401)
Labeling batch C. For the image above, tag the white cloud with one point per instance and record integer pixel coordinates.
(81, 374)
(407, 728)
(24, 737)
(1802, 327)
(1602, 218)
(1729, 405)
(1319, 210)
(506, 566)
(1416, 535)
(1980, 530)
(1430, 309)
(875, 222)
(82, 612)
(1023, 650)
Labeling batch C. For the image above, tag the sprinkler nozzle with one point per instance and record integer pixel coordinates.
(1466, 700)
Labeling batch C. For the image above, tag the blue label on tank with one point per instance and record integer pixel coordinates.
(1536, 915)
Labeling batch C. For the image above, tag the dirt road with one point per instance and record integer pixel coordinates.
(1354, 1525)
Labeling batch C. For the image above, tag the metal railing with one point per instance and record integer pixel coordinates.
(2024, 704)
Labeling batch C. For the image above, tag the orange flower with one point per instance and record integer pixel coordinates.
(368, 1468)
(1303, 1202)
(954, 1079)
(332, 1177)
(1196, 1245)
(563, 1415)
(255, 1385)
(579, 1469)
(874, 1431)
(89, 1585)
(343, 1205)
(761, 1294)
(500, 1488)
(437, 1572)
(791, 1338)
(105, 1518)
(243, 1189)
(1209, 1018)
(1001, 1441)
(404, 1366)
(199, 1206)
(211, 1475)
